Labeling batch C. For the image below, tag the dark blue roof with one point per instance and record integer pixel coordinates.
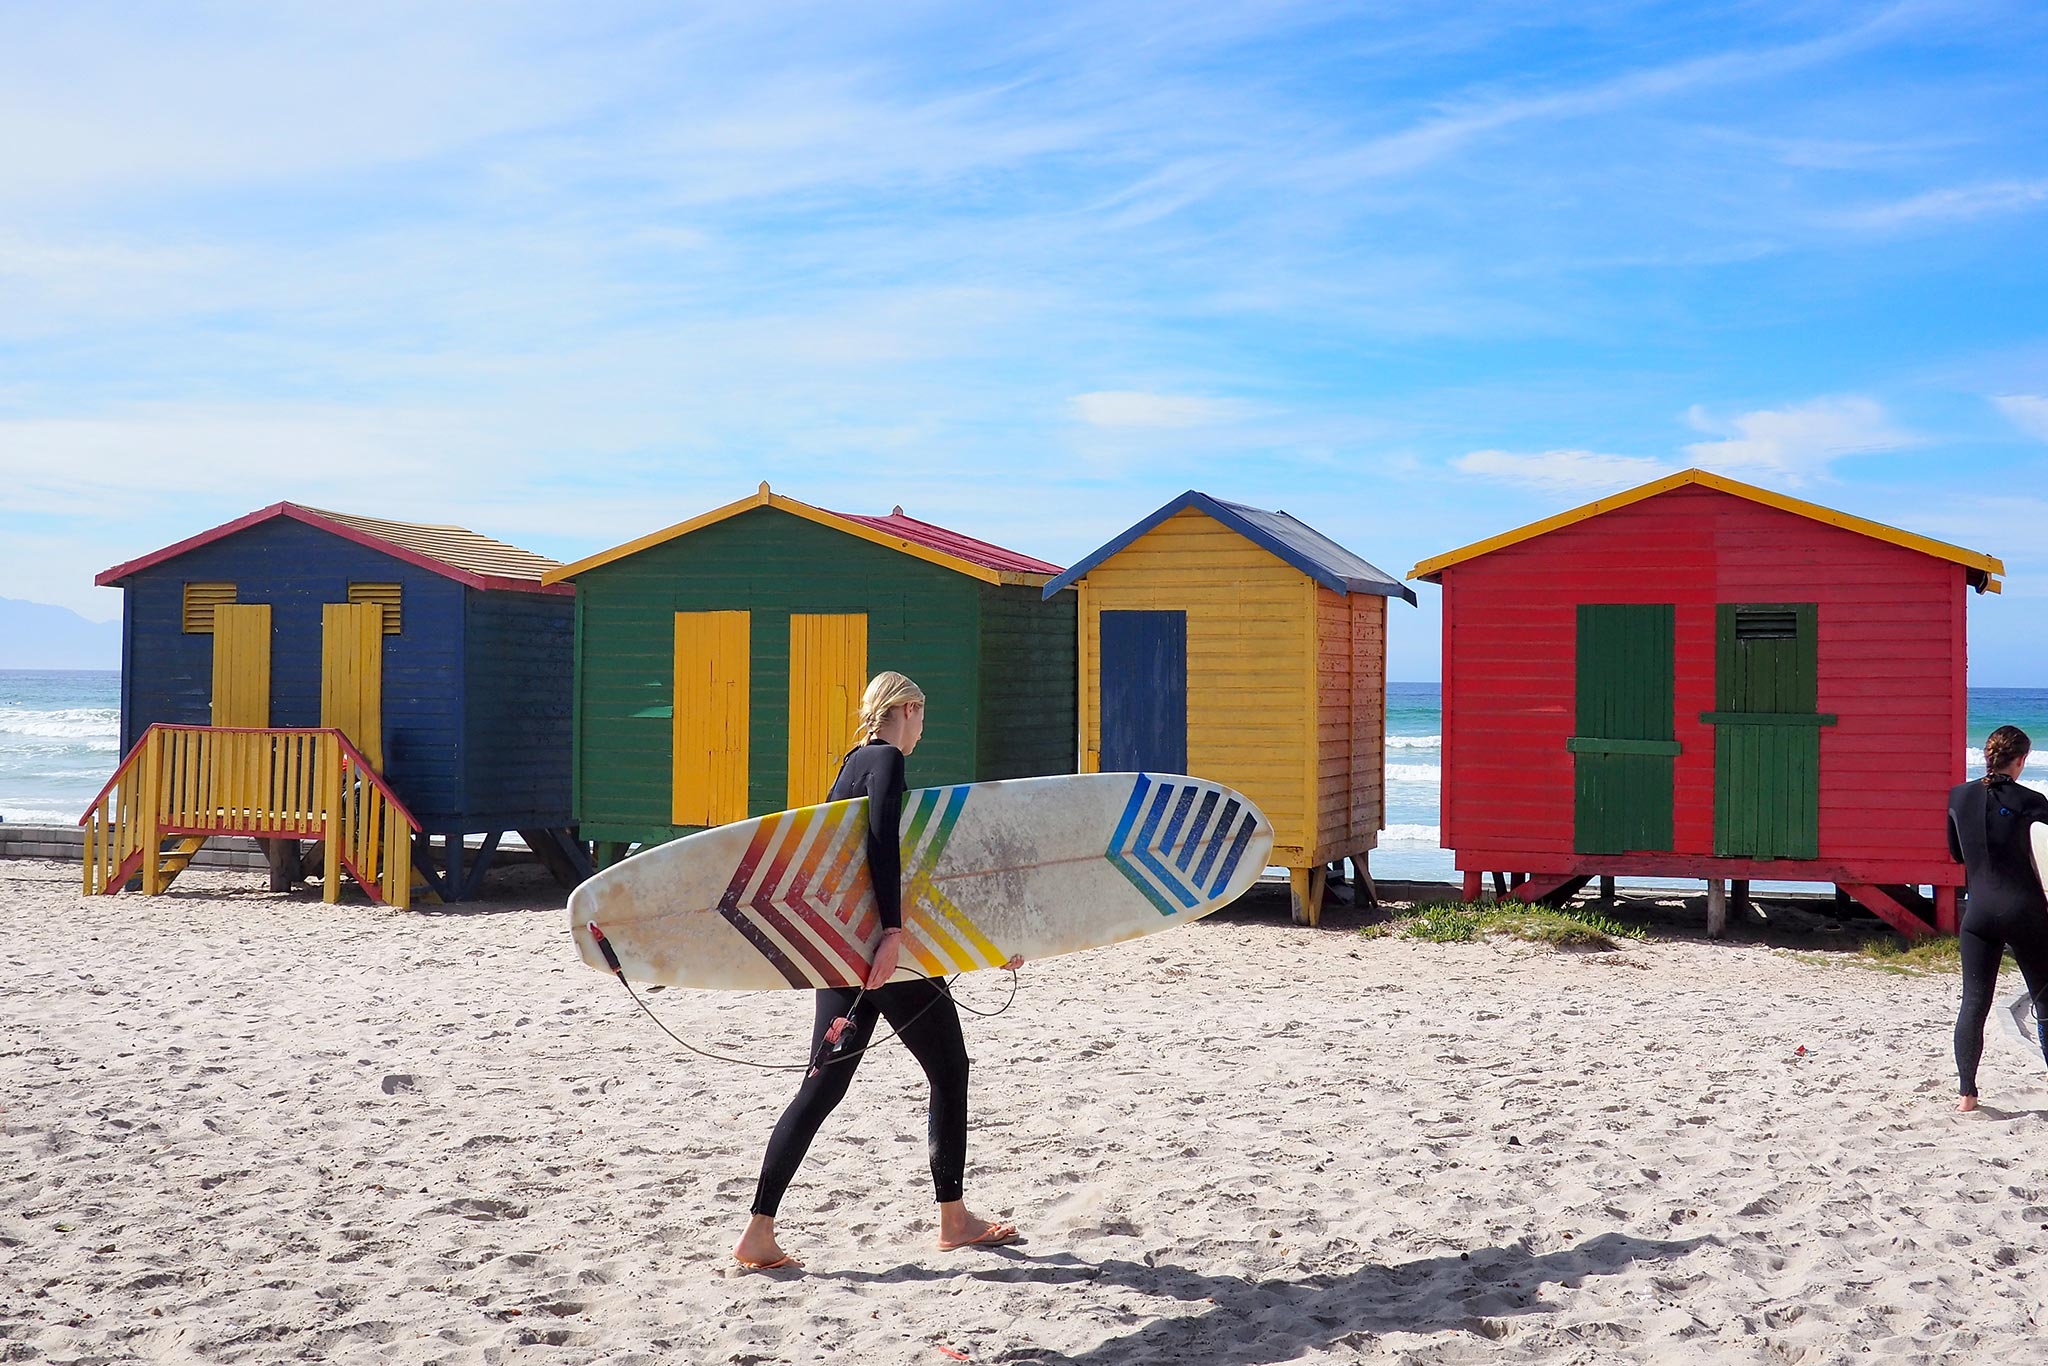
(1298, 543)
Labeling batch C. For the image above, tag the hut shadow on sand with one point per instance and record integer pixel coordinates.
(1252, 1322)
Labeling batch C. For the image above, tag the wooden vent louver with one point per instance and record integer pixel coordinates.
(200, 600)
(1766, 623)
(385, 595)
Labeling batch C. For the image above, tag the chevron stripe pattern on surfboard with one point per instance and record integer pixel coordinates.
(1033, 866)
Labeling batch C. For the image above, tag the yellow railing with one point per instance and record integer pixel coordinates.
(198, 781)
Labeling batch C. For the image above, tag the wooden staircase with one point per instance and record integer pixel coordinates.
(181, 785)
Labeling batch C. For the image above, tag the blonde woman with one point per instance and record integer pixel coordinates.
(918, 1009)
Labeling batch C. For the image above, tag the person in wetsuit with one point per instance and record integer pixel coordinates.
(919, 1009)
(1988, 834)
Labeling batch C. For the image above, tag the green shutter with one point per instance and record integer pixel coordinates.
(1624, 751)
(1767, 731)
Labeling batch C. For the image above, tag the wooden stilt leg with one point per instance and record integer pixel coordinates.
(1607, 892)
(1717, 908)
(283, 858)
(1299, 891)
(1472, 880)
(1945, 917)
(1738, 897)
(1500, 885)
(1361, 880)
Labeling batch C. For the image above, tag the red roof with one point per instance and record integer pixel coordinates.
(953, 543)
(450, 551)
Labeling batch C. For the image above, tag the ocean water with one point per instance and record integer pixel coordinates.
(60, 732)
(60, 737)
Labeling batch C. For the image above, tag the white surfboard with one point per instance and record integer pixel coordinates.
(2019, 1011)
(1030, 867)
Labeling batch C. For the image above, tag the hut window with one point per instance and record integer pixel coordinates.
(384, 594)
(1766, 623)
(200, 600)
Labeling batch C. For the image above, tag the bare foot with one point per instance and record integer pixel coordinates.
(1966, 1104)
(959, 1227)
(757, 1249)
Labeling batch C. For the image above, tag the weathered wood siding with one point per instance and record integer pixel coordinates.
(520, 660)
(1351, 720)
(1027, 682)
(923, 621)
(1251, 662)
(297, 570)
(1891, 667)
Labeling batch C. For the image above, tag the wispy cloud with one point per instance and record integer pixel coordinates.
(1136, 408)
(1950, 204)
(1800, 442)
(2028, 412)
(1453, 128)
(1793, 445)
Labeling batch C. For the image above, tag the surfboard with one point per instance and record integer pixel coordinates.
(1031, 867)
(2020, 1009)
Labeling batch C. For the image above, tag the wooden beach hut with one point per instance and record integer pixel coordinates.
(1702, 679)
(377, 686)
(1243, 646)
(720, 662)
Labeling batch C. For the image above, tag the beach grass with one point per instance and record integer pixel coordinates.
(1462, 922)
(1930, 953)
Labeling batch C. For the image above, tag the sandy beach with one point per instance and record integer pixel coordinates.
(248, 1127)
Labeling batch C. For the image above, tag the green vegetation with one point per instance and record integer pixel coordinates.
(1931, 953)
(1461, 922)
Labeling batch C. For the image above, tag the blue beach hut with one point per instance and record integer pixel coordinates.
(303, 673)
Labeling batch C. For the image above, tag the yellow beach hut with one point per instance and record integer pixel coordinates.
(1243, 646)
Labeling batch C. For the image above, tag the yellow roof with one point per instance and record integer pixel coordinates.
(1984, 570)
(767, 498)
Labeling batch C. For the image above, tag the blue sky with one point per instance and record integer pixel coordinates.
(1417, 273)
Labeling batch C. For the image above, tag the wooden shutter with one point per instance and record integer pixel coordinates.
(200, 601)
(352, 675)
(385, 595)
(1625, 753)
(1767, 730)
(828, 671)
(241, 662)
(713, 668)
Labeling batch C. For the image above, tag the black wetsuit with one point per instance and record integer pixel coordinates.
(919, 1010)
(1988, 835)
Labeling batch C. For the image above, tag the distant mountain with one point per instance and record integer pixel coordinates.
(35, 635)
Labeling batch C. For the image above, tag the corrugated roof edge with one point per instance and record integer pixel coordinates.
(1331, 571)
(313, 517)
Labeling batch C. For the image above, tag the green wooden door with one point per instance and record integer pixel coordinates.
(1767, 731)
(1624, 750)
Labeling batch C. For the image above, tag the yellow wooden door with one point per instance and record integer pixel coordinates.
(241, 664)
(713, 667)
(828, 670)
(352, 675)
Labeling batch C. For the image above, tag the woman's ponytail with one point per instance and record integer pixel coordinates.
(887, 691)
(2001, 747)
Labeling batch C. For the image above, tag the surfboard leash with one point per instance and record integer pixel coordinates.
(818, 1060)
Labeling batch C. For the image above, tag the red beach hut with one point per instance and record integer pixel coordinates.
(1702, 679)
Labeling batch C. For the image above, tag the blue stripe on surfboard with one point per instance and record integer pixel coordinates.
(1187, 853)
(1230, 860)
(1214, 844)
(1145, 855)
(1180, 815)
(1130, 816)
(1115, 853)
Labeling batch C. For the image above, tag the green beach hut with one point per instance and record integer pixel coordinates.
(720, 663)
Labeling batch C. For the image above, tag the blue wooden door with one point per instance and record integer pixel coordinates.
(1144, 692)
